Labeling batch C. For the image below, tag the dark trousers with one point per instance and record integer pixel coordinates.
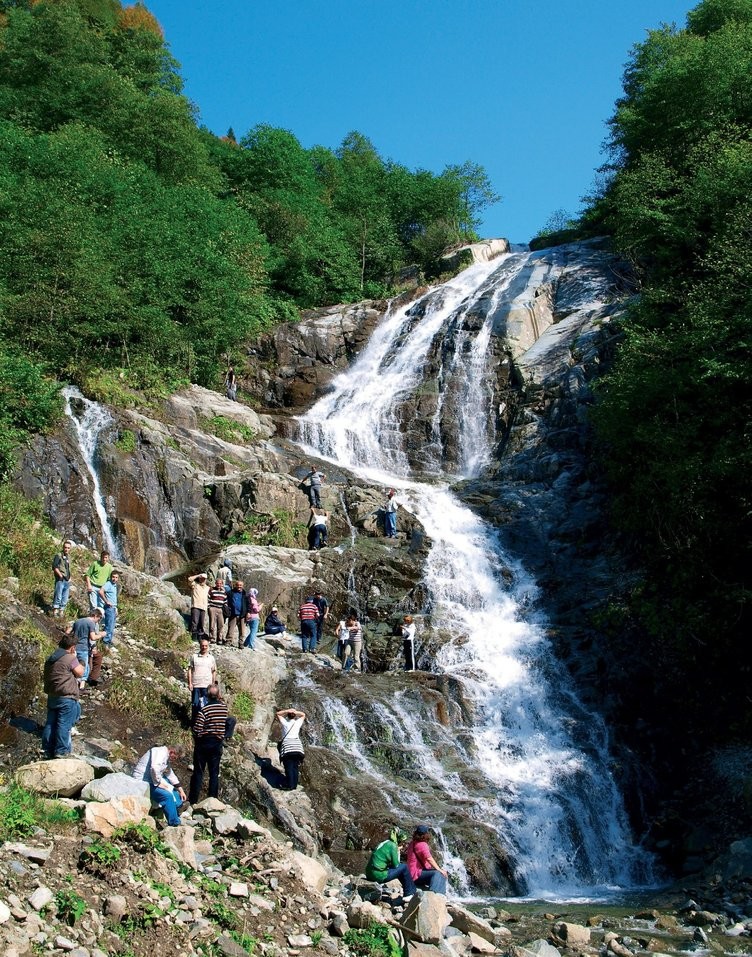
(198, 622)
(308, 635)
(207, 754)
(408, 648)
(291, 764)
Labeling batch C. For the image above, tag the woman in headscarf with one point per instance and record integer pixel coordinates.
(254, 616)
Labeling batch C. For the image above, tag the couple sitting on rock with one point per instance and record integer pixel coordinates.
(419, 870)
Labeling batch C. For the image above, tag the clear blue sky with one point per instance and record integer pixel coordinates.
(523, 87)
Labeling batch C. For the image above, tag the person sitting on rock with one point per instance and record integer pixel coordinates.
(155, 768)
(274, 624)
(423, 868)
(384, 864)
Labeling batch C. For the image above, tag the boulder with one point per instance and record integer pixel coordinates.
(227, 821)
(104, 816)
(40, 897)
(468, 922)
(116, 907)
(181, 839)
(115, 785)
(479, 945)
(360, 914)
(426, 917)
(572, 935)
(64, 777)
(309, 871)
(536, 948)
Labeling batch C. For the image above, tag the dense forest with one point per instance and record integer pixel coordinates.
(673, 416)
(131, 239)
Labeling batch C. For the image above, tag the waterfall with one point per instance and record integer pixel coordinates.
(89, 420)
(545, 785)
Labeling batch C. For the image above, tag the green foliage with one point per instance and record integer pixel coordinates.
(140, 837)
(126, 441)
(243, 706)
(70, 906)
(228, 429)
(673, 415)
(278, 528)
(100, 856)
(375, 940)
(22, 811)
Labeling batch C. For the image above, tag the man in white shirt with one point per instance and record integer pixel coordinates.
(202, 672)
(164, 786)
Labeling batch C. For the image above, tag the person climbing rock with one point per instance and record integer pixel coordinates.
(318, 530)
(311, 484)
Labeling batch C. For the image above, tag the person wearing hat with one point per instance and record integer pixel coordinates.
(199, 604)
(424, 870)
(274, 624)
(384, 864)
(390, 515)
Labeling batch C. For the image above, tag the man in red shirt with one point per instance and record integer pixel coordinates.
(308, 613)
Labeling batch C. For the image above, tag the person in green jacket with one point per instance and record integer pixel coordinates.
(384, 863)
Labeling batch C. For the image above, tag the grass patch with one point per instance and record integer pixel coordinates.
(243, 706)
(22, 811)
(126, 441)
(99, 857)
(278, 528)
(153, 629)
(373, 941)
(70, 906)
(228, 429)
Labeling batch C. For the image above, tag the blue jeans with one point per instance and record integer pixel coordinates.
(198, 701)
(432, 880)
(308, 635)
(62, 714)
(401, 873)
(169, 801)
(390, 524)
(253, 627)
(62, 592)
(110, 617)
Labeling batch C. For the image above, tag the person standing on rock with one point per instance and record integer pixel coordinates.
(231, 384)
(353, 644)
(202, 673)
(62, 572)
(199, 604)
(225, 573)
(323, 606)
(217, 599)
(155, 768)
(408, 642)
(384, 864)
(423, 868)
(253, 618)
(209, 731)
(62, 672)
(312, 485)
(86, 632)
(108, 595)
(390, 515)
(290, 746)
(97, 574)
(318, 531)
(237, 604)
(308, 615)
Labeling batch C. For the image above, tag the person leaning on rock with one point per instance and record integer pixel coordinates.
(62, 672)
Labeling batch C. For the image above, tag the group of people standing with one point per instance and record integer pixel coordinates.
(224, 612)
(102, 583)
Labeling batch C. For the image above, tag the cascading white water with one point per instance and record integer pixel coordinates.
(548, 790)
(89, 419)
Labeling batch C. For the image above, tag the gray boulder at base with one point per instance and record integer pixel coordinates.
(64, 777)
(115, 785)
(468, 922)
(536, 948)
(573, 935)
(426, 917)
